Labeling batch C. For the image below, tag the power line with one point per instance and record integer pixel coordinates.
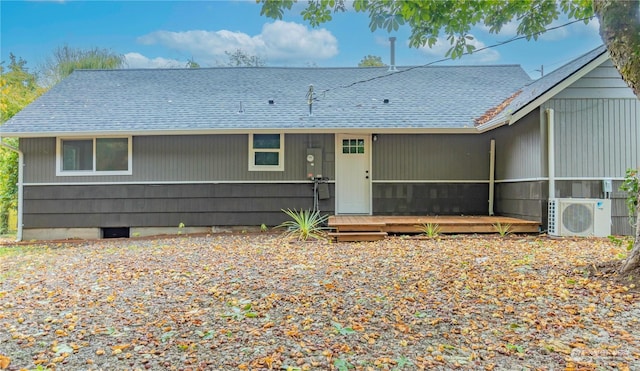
(515, 38)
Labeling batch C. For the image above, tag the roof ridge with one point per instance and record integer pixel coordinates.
(293, 68)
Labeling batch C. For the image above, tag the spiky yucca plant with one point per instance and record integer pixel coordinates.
(430, 230)
(305, 224)
(502, 229)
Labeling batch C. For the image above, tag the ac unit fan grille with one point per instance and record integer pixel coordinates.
(577, 218)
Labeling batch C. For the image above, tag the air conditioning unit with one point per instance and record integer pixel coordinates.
(579, 217)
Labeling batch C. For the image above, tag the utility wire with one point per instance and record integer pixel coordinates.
(515, 38)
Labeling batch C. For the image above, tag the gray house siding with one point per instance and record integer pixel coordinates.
(164, 205)
(430, 157)
(596, 139)
(603, 81)
(521, 188)
(195, 180)
(585, 154)
(523, 199)
(520, 149)
(430, 198)
(429, 174)
(195, 158)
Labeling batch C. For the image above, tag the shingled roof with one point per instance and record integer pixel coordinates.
(163, 101)
(538, 88)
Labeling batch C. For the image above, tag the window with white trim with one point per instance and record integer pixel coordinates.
(266, 152)
(93, 156)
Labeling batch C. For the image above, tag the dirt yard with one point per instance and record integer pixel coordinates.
(258, 302)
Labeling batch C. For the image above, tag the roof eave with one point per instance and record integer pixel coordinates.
(550, 93)
(494, 123)
(469, 130)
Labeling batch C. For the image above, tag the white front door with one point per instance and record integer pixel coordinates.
(353, 174)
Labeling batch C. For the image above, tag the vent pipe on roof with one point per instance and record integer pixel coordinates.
(392, 65)
(310, 99)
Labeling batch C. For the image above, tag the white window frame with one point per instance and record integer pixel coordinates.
(252, 152)
(93, 171)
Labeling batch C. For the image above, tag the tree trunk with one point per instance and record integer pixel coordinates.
(633, 260)
(620, 31)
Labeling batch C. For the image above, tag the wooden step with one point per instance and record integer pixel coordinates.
(357, 236)
(462, 228)
(359, 227)
(413, 224)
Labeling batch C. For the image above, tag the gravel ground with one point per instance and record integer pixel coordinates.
(258, 302)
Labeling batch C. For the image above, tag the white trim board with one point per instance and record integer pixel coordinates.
(429, 181)
(176, 182)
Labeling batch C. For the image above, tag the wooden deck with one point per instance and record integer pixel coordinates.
(371, 228)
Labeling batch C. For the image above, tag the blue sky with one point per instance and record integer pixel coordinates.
(152, 34)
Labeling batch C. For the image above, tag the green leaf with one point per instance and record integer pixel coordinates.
(342, 365)
(205, 335)
(342, 330)
(62, 348)
(167, 336)
(402, 361)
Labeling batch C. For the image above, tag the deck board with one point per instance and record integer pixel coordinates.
(411, 224)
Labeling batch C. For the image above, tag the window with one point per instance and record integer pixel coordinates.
(94, 156)
(353, 146)
(266, 152)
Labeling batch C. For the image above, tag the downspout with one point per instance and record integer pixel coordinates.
(492, 175)
(20, 182)
(551, 153)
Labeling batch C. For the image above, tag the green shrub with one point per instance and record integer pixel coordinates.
(502, 229)
(630, 186)
(430, 230)
(305, 224)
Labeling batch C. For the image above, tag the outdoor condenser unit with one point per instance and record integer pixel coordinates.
(580, 217)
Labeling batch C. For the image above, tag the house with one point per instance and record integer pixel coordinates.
(120, 152)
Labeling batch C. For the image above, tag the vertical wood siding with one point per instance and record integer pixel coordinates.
(191, 158)
(595, 137)
(520, 149)
(430, 157)
(602, 82)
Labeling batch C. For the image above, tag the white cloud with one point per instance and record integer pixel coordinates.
(136, 60)
(572, 30)
(508, 29)
(578, 28)
(279, 42)
(440, 48)
(288, 40)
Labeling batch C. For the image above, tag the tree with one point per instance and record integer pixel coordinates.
(18, 88)
(65, 60)
(191, 63)
(428, 19)
(240, 58)
(371, 61)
